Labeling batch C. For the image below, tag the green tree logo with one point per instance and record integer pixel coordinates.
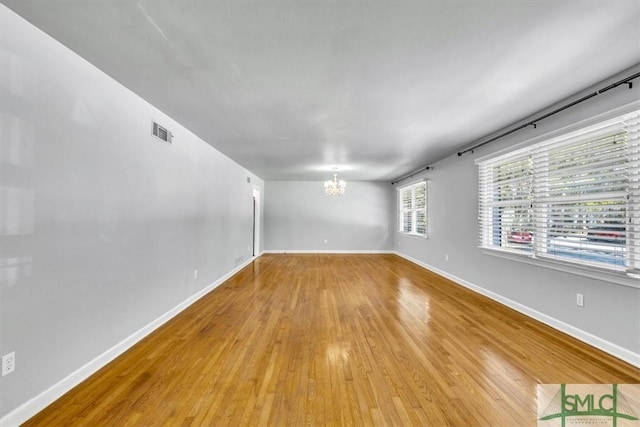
(583, 407)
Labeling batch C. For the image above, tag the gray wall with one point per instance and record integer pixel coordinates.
(101, 225)
(611, 311)
(300, 217)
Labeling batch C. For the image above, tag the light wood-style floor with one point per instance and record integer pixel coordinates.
(336, 340)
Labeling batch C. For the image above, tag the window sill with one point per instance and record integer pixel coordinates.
(413, 235)
(619, 278)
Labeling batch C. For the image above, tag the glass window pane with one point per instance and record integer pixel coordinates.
(406, 222)
(421, 222)
(406, 199)
(421, 199)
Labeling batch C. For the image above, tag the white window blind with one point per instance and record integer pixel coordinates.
(412, 209)
(506, 199)
(573, 199)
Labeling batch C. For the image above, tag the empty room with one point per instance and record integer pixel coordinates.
(336, 212)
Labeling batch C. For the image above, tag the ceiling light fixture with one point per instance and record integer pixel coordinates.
(333, 187)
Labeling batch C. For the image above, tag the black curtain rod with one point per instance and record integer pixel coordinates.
(426, 168)
(626, 80)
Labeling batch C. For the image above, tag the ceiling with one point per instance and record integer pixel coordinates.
(290, 89)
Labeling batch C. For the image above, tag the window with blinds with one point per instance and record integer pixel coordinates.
(573, 199)
(412, 209)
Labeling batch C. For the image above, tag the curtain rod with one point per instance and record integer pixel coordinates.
(426, 168)
(626, 80)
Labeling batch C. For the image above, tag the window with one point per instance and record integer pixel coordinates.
(572, 199)
(412, 209)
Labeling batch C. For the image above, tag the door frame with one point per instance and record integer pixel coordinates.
(256, 221)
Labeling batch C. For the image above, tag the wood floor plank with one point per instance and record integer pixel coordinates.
(336, 340)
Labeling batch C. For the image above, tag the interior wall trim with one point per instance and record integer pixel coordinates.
(36, 404)
(41, 401)
(586, 337)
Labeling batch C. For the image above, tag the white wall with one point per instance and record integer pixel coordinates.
(611, 314)
(101, 225)
(300, 217)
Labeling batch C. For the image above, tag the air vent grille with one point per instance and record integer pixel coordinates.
(161, 133)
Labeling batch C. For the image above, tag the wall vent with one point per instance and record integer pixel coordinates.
(161, 133)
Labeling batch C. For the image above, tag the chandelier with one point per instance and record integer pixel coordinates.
(335, 188)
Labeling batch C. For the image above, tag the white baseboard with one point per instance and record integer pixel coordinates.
(38, 403)
(586, 337)
(30, 408)
(316, 251)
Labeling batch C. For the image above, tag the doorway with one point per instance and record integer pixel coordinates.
(256, 222)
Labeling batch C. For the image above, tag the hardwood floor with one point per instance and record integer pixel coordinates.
(336, 340)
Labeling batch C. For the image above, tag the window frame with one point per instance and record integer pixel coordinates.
(413, 210)
(627, 275)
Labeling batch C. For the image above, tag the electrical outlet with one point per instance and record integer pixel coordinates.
(195, 274)
(8, 363)
(580, 300)
(325, 241)
(446, 257)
